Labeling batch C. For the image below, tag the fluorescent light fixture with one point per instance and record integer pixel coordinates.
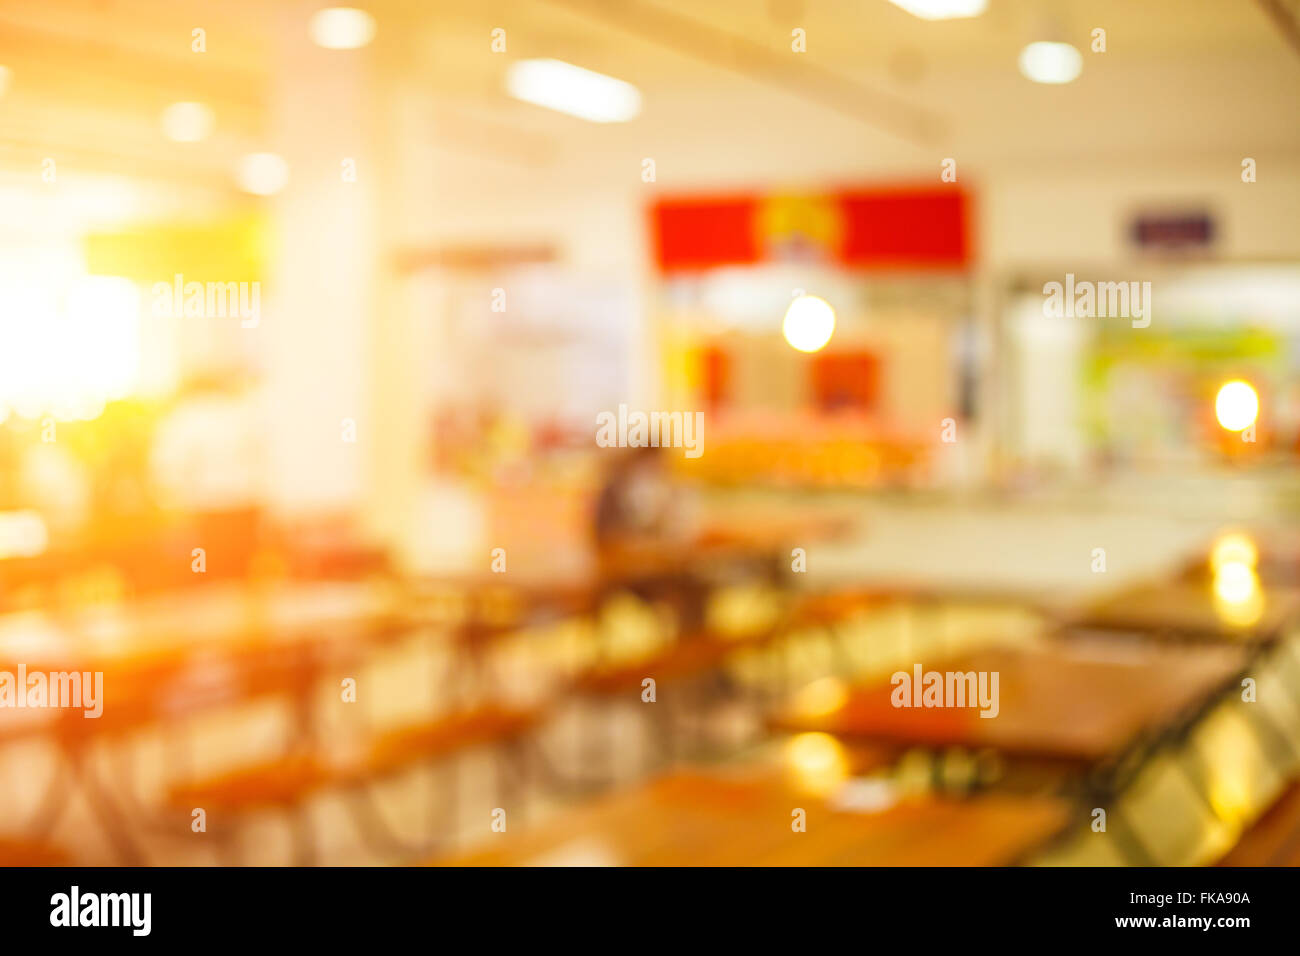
(571, 89)
(942, 9)
(187, 122)
(341, 28)
(262, 174)
(1047, 62)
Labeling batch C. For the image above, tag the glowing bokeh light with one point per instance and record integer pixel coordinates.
(1045, 62)
(262, 174)
(187, 122)
(1234, 548)
(1238, 600)
(809, 323)
(1236, 406)
(341, 28)
(817, 762)
(821, 697)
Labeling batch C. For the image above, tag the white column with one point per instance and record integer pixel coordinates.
(337, 344)
(313, 349)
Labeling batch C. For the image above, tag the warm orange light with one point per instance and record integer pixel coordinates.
(1238, 599)
(817, 762)
(1234, 548)
(821, 697)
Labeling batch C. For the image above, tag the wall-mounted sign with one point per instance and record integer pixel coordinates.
(1173, 231)
(891, 227)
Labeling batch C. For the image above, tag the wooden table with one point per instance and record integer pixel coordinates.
(1190, 610)
(170, 657)
(184, 652)
(485, 605)
(758, 545)
(210, 615)
(1074, 703)
(702, 819)
(1278, 563)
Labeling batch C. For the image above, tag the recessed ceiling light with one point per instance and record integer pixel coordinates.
(187, 122)
(1048, 62)
(263, 174)
(571, 89)
(341, 28)
(942, 9)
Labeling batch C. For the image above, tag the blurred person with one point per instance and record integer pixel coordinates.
(644, 527)
(639, 507)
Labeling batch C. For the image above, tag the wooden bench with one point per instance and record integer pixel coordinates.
(425, 741)
(682, 660)
(285, 784)
(274, 784)
(825, 609)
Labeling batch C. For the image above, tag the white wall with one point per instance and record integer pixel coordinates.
(1056, 173)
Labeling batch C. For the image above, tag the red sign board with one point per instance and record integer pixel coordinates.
(919, 227)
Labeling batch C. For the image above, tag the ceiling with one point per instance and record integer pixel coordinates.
(722, 88)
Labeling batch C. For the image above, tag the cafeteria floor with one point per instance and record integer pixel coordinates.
(994, 554)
